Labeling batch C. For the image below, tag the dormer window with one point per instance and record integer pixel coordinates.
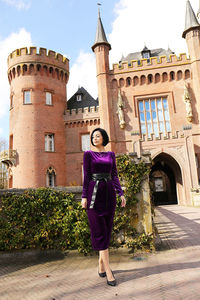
(146, 53)
(79, 97)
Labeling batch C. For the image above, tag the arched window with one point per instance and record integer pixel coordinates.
(13, 72)
(38, 68)
(179, 75)
(24, 68)
(51, 177)
(187, 74)
(121, 82)
(135, 80)
(164, 77)
(18, 70)
(150, 78)
(157, 78)
(114, 84)
(142, 79)
(172, 75)
(128, 81)
(57, 73)
(45, 68)
(31, 68)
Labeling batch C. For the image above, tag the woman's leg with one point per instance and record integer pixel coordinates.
(104, 257)
(101, 264)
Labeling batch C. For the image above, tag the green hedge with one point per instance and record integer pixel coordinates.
(48, 219)
(43, 218)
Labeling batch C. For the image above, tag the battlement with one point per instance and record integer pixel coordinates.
(151, 63)
(40, 55)
(81, 114)
(162, 137)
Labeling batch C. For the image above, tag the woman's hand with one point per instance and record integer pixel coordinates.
(123, 204)
(84, 202)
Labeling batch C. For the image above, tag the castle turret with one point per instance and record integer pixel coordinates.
(191, 32)
(101, 49)
(192, 36)
(37, 132)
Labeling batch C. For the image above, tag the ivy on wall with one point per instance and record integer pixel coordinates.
(48, 219)
(131, 175)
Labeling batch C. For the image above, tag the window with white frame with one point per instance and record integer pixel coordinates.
(51, 177)
(27, 97)
(79, 97)
(49, 142)
(154, 116)
(48, 98)
(85, 142)
(146, 55)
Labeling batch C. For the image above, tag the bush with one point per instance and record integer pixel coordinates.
(45, 219)
(48, 219)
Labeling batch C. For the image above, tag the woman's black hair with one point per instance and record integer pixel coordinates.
(104, 135)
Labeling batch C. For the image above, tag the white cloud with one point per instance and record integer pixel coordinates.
(83, 73)
(158, 24)
(15, 40)
(19, 4)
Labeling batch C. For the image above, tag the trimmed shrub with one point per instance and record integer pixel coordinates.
(48, 219)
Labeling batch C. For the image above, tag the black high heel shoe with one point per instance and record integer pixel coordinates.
(112, 282)
(102, 274)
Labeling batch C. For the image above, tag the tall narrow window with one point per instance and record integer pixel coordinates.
(11, 101)
(85, 142)
(49, 142)
(79, 97)
(11, 142)
(51, 177)
(48, 98)
(154, 116)
(27, 97)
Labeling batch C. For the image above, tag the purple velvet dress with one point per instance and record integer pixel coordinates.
(101, 216)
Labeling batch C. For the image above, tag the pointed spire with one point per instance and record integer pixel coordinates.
(100, 34)
(145, 48)
(191, 21)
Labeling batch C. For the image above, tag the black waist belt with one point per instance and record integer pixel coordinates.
(97, 177)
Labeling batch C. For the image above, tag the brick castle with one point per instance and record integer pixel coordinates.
(149, 102)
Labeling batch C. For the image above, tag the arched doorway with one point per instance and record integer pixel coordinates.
(166, 180)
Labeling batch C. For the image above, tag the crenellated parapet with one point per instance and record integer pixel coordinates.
(82, 116)
(151, 63)
(162, 137)
(26, 61)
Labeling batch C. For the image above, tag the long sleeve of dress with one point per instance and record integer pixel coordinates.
(87, 173)
(115, 178)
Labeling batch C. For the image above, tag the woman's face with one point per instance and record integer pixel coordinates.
(97, 138)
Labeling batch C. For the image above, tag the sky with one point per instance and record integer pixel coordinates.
(69, 27)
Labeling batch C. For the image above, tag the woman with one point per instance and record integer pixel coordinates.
(99, 197)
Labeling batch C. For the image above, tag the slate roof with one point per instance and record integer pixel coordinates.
(100, 34)
(87, 100)
(190, 19)
(153, 53)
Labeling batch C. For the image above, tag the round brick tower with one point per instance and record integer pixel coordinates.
(37, 104)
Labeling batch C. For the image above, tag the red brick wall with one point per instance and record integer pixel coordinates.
(30, 122)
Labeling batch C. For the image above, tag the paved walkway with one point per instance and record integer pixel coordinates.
(171, 273)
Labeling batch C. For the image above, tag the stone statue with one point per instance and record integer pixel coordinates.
(120, 111)
(188, 106)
